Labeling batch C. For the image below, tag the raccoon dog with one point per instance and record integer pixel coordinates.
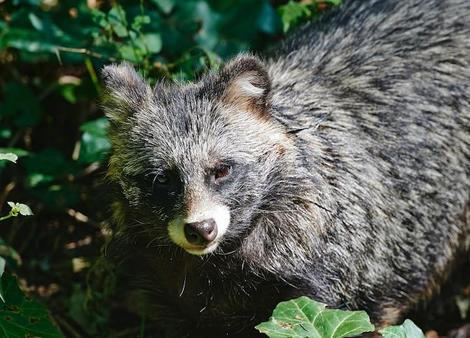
(337, 168)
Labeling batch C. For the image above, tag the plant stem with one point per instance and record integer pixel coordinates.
(6, 217)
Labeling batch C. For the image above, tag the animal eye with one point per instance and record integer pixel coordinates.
(161, 179)
(221, 171)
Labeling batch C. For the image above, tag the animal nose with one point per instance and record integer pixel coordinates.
(201, 233)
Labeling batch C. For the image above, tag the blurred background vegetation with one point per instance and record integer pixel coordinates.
(51, 53)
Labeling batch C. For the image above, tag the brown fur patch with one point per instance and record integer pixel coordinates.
(246, 93)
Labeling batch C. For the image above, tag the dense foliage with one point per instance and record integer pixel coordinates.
(51, 53)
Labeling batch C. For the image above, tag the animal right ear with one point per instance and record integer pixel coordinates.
(125, 90)
(246, 84)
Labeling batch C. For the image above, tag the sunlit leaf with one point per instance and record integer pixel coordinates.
(303, 317)
(24, 210)
(16, 151)
(407, 330)
(9, 157)
(20, 209)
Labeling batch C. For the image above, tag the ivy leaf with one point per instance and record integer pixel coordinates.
(303, 317)
(407, 330)
(21, 316)
(9, 157)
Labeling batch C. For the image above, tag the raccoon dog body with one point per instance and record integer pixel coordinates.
(338, 168)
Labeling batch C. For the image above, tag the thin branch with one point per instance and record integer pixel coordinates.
(83, 51)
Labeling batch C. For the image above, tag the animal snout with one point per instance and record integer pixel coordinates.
(201, 233)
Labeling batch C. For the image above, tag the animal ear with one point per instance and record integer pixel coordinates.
(246, 84)
(125, 91)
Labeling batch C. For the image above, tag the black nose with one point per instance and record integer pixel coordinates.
(201, 233)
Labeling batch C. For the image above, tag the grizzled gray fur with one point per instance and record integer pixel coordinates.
(337, 168)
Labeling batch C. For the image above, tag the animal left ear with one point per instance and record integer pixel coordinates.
(125, 91)
(246, 84)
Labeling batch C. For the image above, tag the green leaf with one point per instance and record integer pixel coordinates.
(153, 42)
(303, 317)
(11, 256)
(407, 330)
(5, 132)
(129, 53)
(268, 20)
(9, 157)
(94, 144)
(139, 21)
(36, 22)
(27, 40)
(99, 18)
(2, 267)
(24, 210)
(117, 20)
(19, 208)
(21, 316)
(17, 151)
(291, 13)
(164, 5)
(334, 2)
(46, 166)
(68, 92)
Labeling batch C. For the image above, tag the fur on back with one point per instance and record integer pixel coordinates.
(352, 151)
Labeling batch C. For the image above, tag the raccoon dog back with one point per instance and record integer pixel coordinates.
(337, 167)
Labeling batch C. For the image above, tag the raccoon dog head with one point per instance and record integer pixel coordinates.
(194, 161)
